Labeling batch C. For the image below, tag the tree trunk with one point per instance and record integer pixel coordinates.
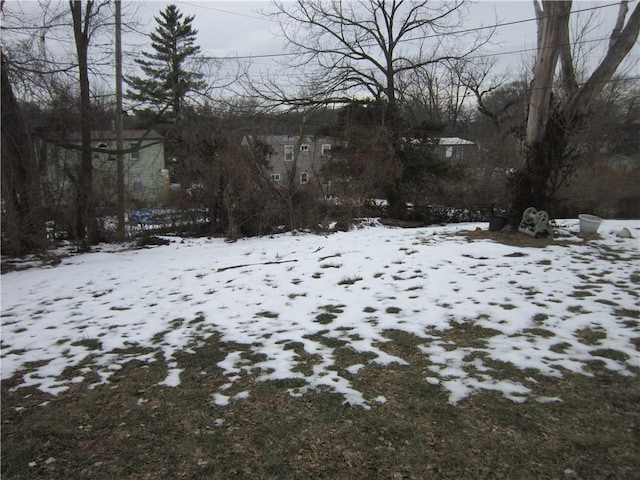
(85, 225)
(22, 221)
(553, 22)
(545, 141)
(551, 124)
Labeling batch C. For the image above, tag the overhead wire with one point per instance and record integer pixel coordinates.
(136, 54)
(406, 40)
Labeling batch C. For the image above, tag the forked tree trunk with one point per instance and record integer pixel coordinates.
(550, 123)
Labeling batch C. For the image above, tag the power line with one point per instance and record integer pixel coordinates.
(412, 39)
(291, 54)
(225, 11)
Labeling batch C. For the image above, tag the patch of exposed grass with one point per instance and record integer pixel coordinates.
(576, 309)
(327, 341)
(540, 318)
(539, 332)
(580, 293)
(393, 310)
(468, 334)
(267, 314)
(176, 322)
(346, 356)
(204, 358)
(333, 308)
(89, 344)
(325, 318)
(404, 345)
(349, 280)
(513, 238)
(293, 296)
(560, 347)
(305, 361)
(331, 265)
(624, 312)
(610, 353)
(253, 357)
(198, 319)
(159, 337)
(590, 336)
(102, 293)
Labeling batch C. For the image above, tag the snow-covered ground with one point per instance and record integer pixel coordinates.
(271, 292)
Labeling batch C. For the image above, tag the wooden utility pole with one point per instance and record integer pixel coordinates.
(119, 142)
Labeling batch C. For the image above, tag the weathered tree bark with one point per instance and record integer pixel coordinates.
(85, 225)
(553, 22)
(550, 123)
(22, 220)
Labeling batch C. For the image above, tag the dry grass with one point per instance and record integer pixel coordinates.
(135, 429)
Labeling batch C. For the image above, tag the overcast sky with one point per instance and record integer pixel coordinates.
(236, 28)
(228, 28)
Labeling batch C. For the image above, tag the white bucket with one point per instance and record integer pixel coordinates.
(589, 223)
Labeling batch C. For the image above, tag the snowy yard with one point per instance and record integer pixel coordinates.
(278, 302)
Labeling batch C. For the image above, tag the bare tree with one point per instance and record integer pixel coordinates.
(554, 118)
(48, 81)
(22, 219)
(344, 50)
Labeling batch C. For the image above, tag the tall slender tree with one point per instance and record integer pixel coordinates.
(167, 76)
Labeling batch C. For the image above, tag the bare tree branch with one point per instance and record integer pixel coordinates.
(621, 43)
(350, 49)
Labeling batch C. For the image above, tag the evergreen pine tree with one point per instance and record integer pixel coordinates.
(167, 80)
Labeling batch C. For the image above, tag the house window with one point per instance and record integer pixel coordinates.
(137, 182)
(288, 153)
(101, 156)
(459, 153)
(448, 153)
(135, 155)
(326, 149)
(304, 177)
(304, 147)
(275, 177)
